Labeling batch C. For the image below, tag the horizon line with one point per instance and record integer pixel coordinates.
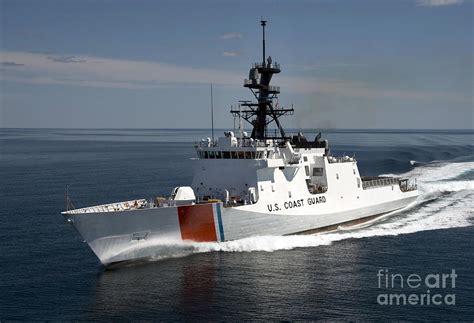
(227, 129)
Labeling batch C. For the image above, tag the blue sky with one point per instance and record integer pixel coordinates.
(148, 64)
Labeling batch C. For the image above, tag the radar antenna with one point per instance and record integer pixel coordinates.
(263, 112)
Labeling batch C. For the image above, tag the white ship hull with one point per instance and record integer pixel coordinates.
(268, 185)
(123, 235)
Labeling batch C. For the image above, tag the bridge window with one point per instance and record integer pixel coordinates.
(230, 154)
(318, 171)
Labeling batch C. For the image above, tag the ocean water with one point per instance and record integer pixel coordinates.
(46, 272)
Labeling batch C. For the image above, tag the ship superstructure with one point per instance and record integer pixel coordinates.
(247, 185)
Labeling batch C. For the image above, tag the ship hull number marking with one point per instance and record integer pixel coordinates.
(295, 203)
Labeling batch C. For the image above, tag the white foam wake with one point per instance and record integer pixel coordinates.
(446, 202)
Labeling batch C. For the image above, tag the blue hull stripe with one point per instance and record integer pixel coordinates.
(219, 219)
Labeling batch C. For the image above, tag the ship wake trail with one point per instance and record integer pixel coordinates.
(446, 202)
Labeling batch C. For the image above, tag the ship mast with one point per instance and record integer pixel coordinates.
(263, 112)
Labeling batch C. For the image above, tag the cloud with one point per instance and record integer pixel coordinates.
(107, 72)
(233, 35)
(99, 72)
(66, 59)
(11, 64)
(438, 3)
(231, 53)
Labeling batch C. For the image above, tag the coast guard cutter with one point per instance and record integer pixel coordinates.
(246, 185)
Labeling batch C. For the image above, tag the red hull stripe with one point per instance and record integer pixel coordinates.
(196, 222)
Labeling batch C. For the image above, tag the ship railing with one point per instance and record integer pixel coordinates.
(247, 142)
(244, 142)
(407, 185)
(274, 65)
(342, 159)
(204, 143)
(250, 82)
(379, 182)
(112, 207)
(273, 88)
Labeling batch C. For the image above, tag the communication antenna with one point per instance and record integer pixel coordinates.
(67, 197)
(231, 108)
(69, 205)
(212, 117)
(240, 124)
(263, 23)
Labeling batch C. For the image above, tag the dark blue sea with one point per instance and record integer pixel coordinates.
(48, 273)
